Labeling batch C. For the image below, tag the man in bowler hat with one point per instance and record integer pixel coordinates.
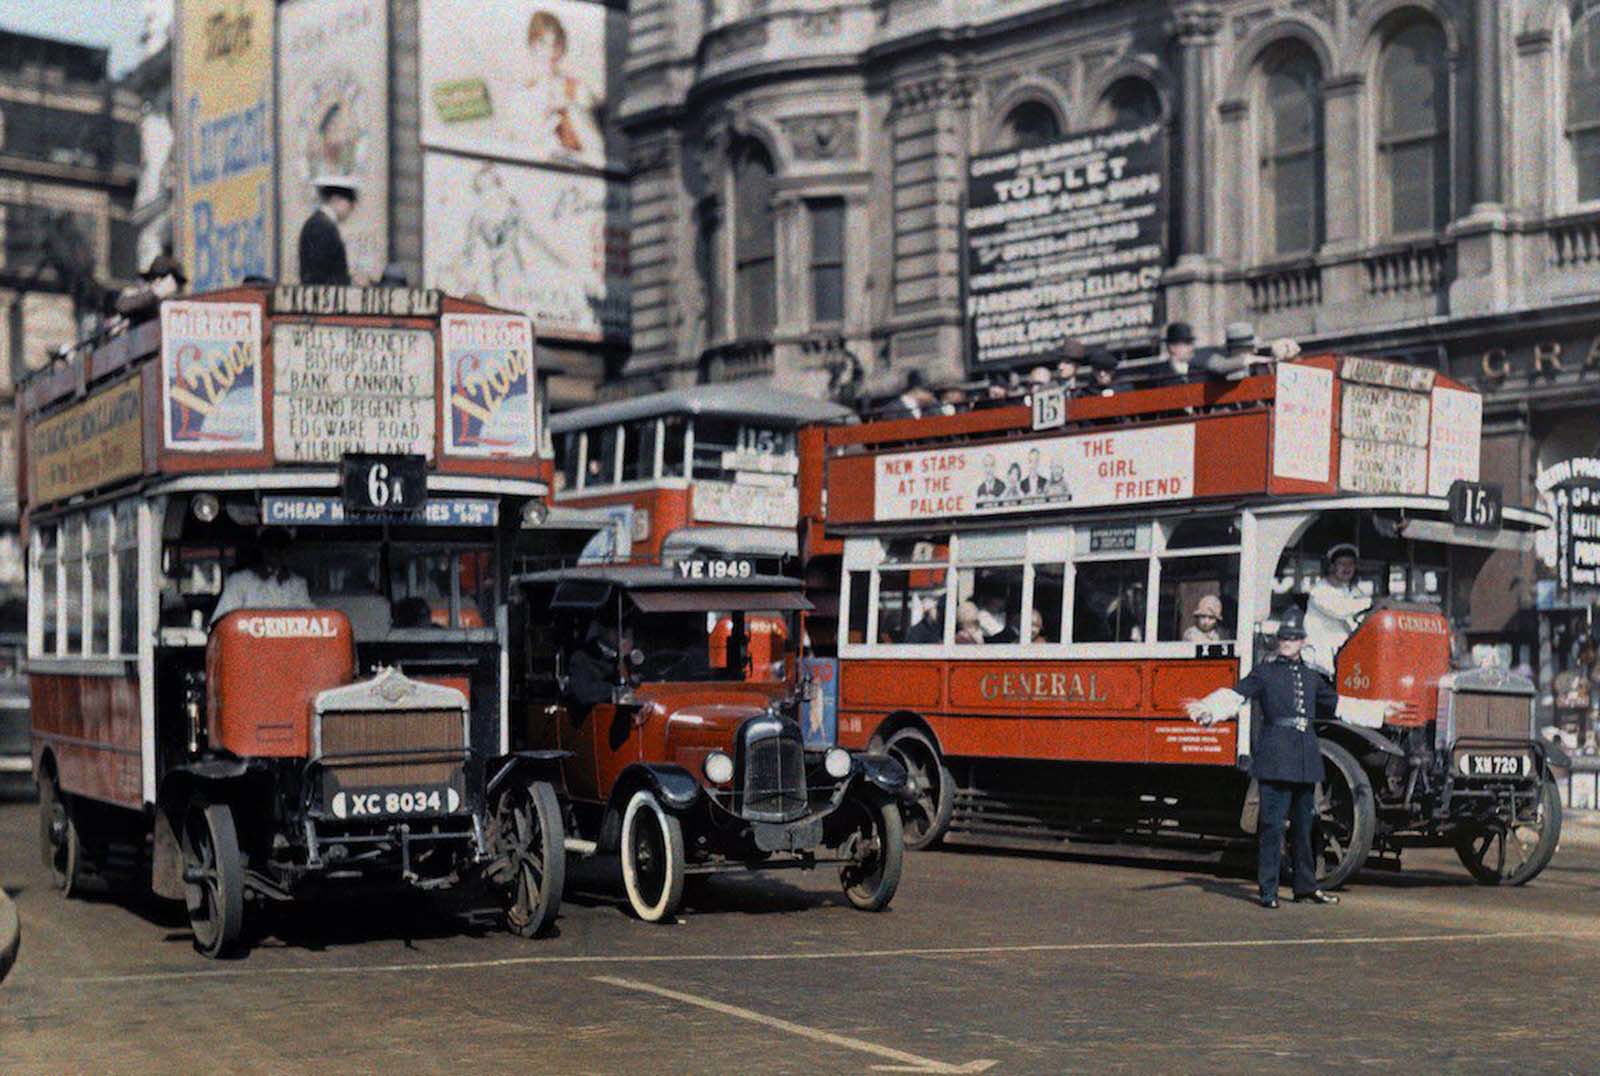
(1286, 759)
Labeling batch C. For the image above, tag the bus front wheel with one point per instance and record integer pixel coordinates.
(59, 840)
(1347, 817)
(926, 816)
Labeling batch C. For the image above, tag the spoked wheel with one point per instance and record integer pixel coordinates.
(652, 858)
(927, 816)
(59, 842)
(1347, 817)
(876, 842)
(213, 877)
(1515, 854)
(526, 830)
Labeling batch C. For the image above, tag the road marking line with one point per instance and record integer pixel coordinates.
(905, 1062)
(862, 954)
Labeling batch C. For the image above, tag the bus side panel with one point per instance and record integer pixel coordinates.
(1048, 710)
(91, 725)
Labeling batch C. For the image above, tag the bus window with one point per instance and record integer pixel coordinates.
(723, 445)
(72, 581)
(128, 576)
(98, 582)
(1108, 601)
(639, 451)
(860, 598)
(571, 453)
(601, 467)
(674, 437)
(1199, 599)
(911, 605)
(996, 592)
(1202, 532)
(49, 580)
(1049, 587)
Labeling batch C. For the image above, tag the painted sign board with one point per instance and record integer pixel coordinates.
(88, 445)
(211, 377)
(344, 388)
(488, 363)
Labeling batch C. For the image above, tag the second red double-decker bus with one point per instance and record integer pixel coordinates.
(1028, 598)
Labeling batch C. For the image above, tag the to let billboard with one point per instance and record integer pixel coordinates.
(224, 224)
(1066, 241)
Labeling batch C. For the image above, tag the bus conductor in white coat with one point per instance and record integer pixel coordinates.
(1335, 606)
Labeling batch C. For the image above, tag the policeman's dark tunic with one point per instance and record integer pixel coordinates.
(1291, 694)
(322, 255)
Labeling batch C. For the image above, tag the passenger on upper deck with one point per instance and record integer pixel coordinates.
(163, 279)
(1243, 356)
(322, 251)
(1333, 609)
(1103, 382)
(917, 399)
(1180, 353)
(262, 578)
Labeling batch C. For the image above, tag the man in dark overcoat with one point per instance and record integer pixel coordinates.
(322, 253)
(1286, 758)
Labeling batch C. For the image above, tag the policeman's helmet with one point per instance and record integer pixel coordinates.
(1292, 624)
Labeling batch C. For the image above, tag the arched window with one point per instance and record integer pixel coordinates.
(1414, 129)
(1129, 102)
(1583, 103)
(1291, 151)
(1029, 124)
(754, 243)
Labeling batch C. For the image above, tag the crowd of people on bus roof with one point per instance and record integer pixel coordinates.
(1078, 370)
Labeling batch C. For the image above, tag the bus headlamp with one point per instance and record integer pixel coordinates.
(718, 768)
(205, 507)
(837, 762)
(534, 513)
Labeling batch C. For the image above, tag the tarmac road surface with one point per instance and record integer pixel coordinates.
(988, 961)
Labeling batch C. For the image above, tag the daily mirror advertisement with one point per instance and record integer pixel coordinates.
(211, 377)
(488, 362)
(333, 121)
(523, 80)
(552, 245)
(223, 214)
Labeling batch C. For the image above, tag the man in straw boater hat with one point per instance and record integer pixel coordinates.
(1285, 757)
(322, 253)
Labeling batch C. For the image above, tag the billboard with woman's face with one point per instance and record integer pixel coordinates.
(521, 80)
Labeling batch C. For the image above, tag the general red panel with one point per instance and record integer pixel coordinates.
(90, 726)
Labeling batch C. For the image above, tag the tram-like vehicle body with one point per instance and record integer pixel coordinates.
(268, 541)
(709, 471)
(1019, 591)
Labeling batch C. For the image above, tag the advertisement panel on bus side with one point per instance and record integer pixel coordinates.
(211, 377)
(488, 362)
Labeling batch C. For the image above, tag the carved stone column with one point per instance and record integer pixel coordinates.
(1195, 28)
(1483, 283)
(1486, 105)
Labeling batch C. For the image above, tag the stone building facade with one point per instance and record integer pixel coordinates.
(1413, 178)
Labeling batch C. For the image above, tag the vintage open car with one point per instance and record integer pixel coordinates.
(673, 694)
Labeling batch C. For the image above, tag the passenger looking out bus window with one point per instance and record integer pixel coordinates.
(1109, 601)
(1196, 587)
(262, 579)
(1207, 621)
(968, 629)
(1049, 585)
(997, 592)
(1035, 632)
(602, 464)
(911, 605)
(1334, 608)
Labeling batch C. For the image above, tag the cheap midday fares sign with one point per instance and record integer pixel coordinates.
(1083, 471)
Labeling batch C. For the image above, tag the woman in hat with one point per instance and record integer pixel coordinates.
(1207, 621)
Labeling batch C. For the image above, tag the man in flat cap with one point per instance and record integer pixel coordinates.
(1285, 756)
(322, 253)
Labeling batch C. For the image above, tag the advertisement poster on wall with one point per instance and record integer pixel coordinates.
(224, 220)
(550, 244)
(488, 363)
(333, 121)
(211, 377)
(1067, 241)
(521, 80)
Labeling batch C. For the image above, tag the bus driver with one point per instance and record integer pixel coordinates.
(262, 579)
(1334, 608)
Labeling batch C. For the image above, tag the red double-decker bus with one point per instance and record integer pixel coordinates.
(709, 471)
(1028, 596)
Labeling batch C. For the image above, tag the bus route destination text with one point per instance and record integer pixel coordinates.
(340, 389)
(1045, 473)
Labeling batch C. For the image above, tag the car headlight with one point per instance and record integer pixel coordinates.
(837, 762)
(718, 768)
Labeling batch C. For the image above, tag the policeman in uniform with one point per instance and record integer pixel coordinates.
(1286, 760)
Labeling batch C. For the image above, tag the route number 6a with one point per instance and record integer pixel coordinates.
(384, 491)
